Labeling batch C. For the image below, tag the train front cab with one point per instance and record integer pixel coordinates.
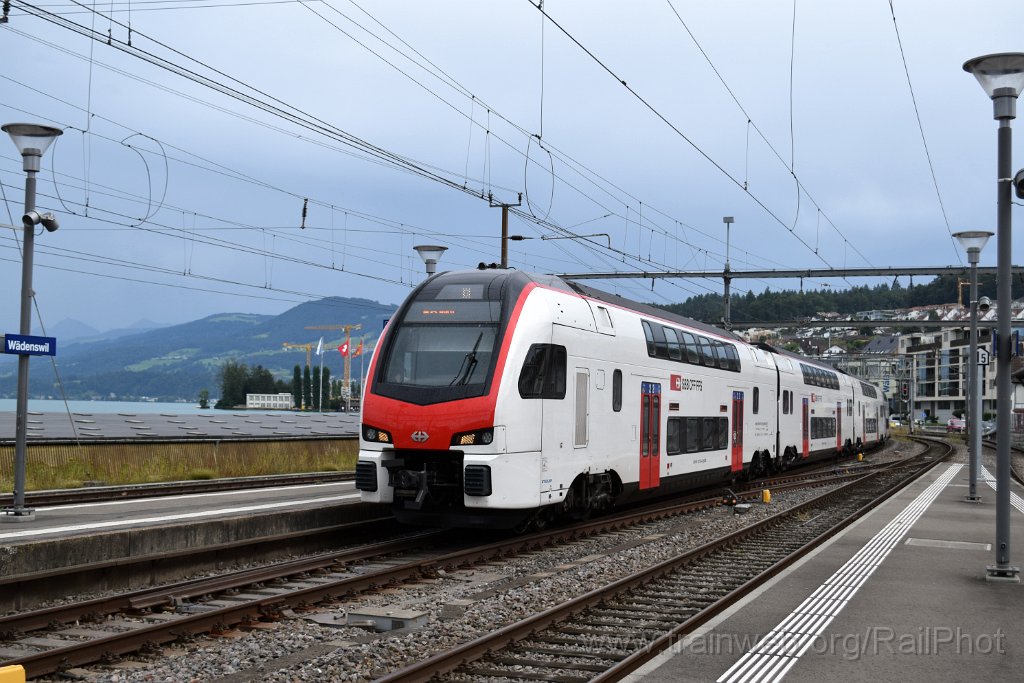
(447, 456)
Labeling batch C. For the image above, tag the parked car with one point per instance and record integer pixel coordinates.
(895, 422)
(956, 424)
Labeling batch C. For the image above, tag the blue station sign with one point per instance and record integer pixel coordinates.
(26, 345)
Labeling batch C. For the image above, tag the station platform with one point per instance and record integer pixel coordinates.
(902, 594)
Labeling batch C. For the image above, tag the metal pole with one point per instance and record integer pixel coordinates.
(973, 385)
(1002, 570)
(504, 235)
(320, 400)
(727, 320)
(21, 415)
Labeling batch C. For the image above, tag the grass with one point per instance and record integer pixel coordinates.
(57, 466)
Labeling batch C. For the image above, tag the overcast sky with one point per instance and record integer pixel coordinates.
(841, 134)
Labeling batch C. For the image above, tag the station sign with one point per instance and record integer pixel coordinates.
(28, 345)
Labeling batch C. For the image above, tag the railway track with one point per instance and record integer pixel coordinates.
(72, 635)
(610, 631)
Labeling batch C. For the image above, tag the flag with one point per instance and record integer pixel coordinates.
(320, 346)
(359, 350)
(343, 349)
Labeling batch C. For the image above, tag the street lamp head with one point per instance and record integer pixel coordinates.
(973, 241)
(430, 254)
(31, 139)
(1002, 77)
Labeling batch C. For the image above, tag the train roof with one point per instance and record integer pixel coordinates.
(653, 311)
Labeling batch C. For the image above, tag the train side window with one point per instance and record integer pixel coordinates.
(544, 371)
(692, 352)
(723, 357)
(692, 437)
(757, 400)
(617, 390)
(734, 358)
(674, 436)
(723, 433)
(675, 351)
(710, 434)
(660, 344)
(707, 353)
(649, 334)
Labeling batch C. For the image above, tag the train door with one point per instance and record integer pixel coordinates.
(737, 431)
(839, 425)
(650, 435)
(806, 421)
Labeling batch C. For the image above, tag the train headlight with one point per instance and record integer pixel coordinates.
(375, 435)
(480, 437)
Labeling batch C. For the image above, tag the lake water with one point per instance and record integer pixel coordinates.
(55, 406)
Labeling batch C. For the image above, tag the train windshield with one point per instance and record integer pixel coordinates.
(441, 355)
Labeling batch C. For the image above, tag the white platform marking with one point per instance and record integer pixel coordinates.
(1015, 500)
(29, 533)
(773, 656)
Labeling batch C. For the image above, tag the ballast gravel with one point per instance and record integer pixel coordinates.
(297, 650)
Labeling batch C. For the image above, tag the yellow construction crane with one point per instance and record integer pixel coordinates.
(960, 291)
(348, 346)
(308, 347)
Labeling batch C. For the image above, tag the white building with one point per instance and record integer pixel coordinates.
(269, 401)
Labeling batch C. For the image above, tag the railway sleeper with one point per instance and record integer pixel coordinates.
(507, 660)
(529, 647)
(661, 609)
(529, 675)
(677, 604)
(572, 641)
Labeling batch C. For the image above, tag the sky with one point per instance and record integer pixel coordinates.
(247, 156)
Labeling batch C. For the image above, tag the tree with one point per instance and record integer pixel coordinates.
(204, 398)
(233, 378)
(316, 389)
(297, 386)
(307, 389)
(327, 387)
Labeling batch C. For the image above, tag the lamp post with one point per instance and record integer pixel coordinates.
(728, 220)
(32, 141)
(430, 254)
(1002, 78)
(973, 241)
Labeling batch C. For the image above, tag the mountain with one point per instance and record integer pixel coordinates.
(177, 361)
(69, 330)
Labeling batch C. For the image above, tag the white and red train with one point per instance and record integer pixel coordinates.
(498, 398)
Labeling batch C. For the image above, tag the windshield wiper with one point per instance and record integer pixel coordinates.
(468, 364)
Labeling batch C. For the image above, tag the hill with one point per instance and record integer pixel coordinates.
(176, 362)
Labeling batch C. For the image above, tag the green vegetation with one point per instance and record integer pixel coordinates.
(792, 305)
(237, 380)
